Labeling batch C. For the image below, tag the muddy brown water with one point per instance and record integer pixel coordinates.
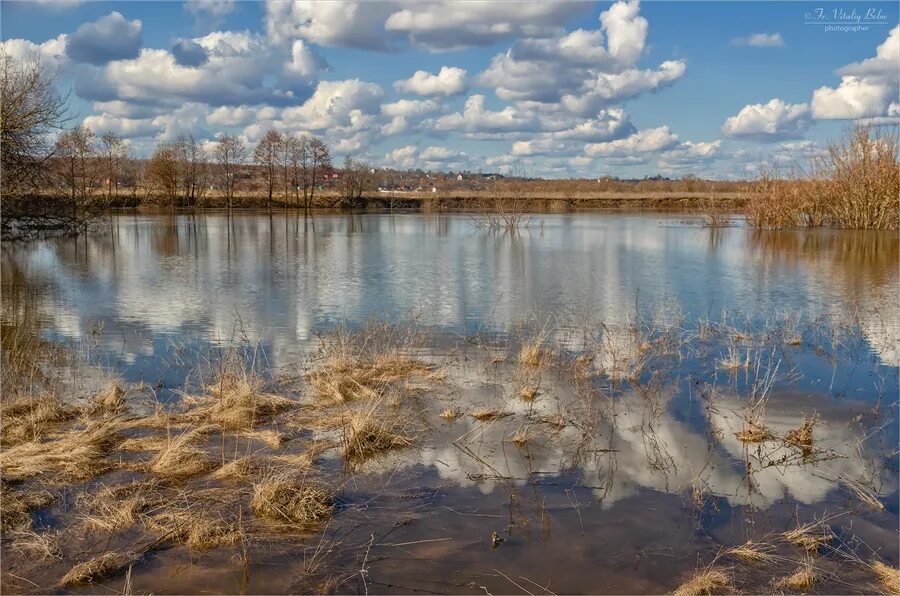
(643, 480)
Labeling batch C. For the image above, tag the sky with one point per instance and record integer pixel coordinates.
(549, 89)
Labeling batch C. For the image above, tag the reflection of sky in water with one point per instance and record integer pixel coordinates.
(155, 281)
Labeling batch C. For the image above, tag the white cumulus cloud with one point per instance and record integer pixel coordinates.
(449, 81)
(769, 121)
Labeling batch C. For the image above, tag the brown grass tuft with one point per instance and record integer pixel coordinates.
(15, 513)
(115, 508)
(809, 537)
(486, 414)
(196, 525)
(704, 582)
(889, 576)
(106, 565)
(368, 434)
(529, 392)
(236, 401)
(532, 354)
(111, 400)
(754, 433)
(802, 579)
(291, 499)
(803, 436)
(74, 454)
(180, 457)
(450, 414)
(29, 418)
(238, 469)
(751, 553)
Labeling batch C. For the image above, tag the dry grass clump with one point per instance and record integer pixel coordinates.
(531, 354)
(115, 508)
(754, 433)
(486, 414)
(704, 582)
(364, 365)
(292, 499)
(111, 400)
(529, 392)
(15, 513)
(272, 438)
(28, 418)
(802, 579)
(238, 469)
(450, 414)
(344, 379)
(74, 454)
(809, 537)
(106, 565)
(180, 457)
(368, 434)
(889, 576)
(803, 436)
(236, 401)
(40, 545)
(196, 525)
(752, 553)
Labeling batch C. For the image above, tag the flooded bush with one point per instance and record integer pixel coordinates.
(854, 183)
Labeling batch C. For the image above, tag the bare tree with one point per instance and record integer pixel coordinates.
(356, 179)
(76, 154)
(113, 153)
(190, 158)
(299, 159)
(230, 154)
(162, 172)
(267, 155)
(30, 109)
(319, 162)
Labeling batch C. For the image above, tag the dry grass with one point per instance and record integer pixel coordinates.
(111, 400)
(809, 537)
(15, 513)
(487, 414)
(287, 498)
(29, 418)
(106, 565)
(272, 438)
(450, 414)
(74, 454)
(888, 576)
(368, 434)
(803, 436)
(529, 392)
(197, 524)
(342, 379)
(754, 433)
(704, 582)
(42, 546)
(236, 401)
(802, 579)
(238, 469)
(752, 553)
(116, 508)
(532, 354)
(180, 457)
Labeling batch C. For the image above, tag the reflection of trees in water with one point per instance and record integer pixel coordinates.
(861, 268)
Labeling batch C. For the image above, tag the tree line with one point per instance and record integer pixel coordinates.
(57, 177)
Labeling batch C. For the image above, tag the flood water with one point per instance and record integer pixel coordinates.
(654, 486)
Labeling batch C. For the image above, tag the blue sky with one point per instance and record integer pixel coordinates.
(555, 89)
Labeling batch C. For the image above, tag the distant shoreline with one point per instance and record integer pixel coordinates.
(466, 201)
